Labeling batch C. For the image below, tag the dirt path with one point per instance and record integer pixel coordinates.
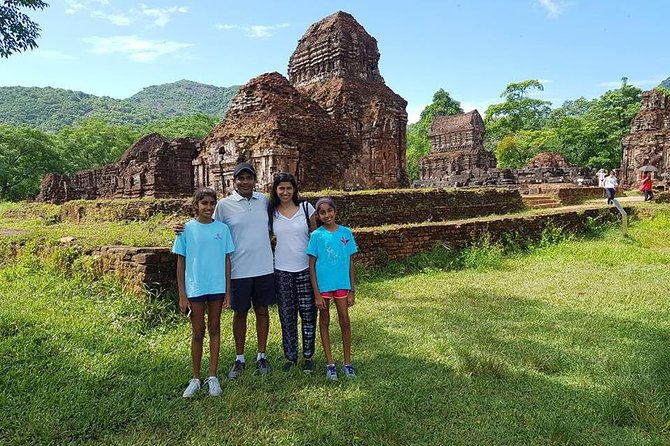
(4, 232)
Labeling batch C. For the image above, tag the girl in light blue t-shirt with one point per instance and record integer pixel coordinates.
(331, 269)
(203, 278)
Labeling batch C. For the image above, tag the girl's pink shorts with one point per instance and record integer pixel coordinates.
(337, 294)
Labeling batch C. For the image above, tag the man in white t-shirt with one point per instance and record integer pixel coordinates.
(252, 280)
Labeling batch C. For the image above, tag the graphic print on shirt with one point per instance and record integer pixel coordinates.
(332, 253)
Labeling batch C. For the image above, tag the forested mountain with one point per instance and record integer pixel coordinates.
(185, 98)
(51, 109)
(666, 83)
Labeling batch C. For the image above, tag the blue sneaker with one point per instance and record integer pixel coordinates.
(236, 370)
(263, 367)
(349, 371)
(331, 372)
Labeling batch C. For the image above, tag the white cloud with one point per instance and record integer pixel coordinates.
(100, 9)
(255, 31)
(52, 55)
(119, 20)
(74, 6)
(161, 16)
(480, 106)
(553, 8)
(133, 47)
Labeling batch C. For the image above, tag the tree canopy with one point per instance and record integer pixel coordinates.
(586, 133)
(518, 112)
(25, 156)
(17, 31)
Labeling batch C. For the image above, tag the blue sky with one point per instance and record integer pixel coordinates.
(472, 49)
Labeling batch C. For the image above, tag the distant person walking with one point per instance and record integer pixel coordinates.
(291, 222)
(203, 278)
(601, 174)
(646, 186)
(610, 184)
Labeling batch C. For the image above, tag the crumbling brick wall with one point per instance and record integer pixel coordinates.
(152, 167)
(649, 139)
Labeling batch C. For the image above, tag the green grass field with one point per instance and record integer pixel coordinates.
(565, 343)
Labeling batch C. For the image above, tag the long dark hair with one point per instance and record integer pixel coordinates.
(282, 177)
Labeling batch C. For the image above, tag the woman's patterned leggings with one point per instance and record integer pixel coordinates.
(295, 295)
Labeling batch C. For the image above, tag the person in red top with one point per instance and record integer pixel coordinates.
(646, 186)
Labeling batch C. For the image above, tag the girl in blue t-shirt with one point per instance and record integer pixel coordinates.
(331, 270)
(203, 278)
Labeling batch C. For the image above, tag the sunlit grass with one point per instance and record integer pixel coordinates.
(559, 343)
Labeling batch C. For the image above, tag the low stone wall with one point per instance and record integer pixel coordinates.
(574, 195)
(376, 208)
(80, 211)
(355, 209)
(139, 269)
(662, 197)
(378, 246)
(154, 268)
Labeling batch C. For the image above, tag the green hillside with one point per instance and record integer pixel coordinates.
(50, 109)
(185, 97)
(666, 83)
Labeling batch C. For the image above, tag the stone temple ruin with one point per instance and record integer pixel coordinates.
(458, 158)
(274, 127)
(456, 147)
(333, 123)
(152, 167)
(648, 142)
(336, 64)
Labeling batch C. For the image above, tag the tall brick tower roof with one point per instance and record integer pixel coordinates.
(337, 46)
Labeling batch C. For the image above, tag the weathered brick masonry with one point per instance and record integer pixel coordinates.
(355, 209)
(154, 268)
(572, 195)
(123, 210)
(415, 206)
(150, 268)
(378, 246)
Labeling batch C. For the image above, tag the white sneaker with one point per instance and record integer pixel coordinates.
(214, 386)
(192, 388)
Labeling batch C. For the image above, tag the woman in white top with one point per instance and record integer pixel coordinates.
(610, 184)
(291, 221)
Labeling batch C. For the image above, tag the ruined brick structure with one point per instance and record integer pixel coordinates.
(274, 127)
(649, 139)
(335, 124)
(548, 160)
(152, 167)
(456, 146)
(458, 158)
(336, 64)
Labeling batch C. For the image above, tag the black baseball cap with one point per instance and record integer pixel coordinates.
(244, 167)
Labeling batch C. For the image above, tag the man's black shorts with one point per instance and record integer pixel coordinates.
(259, 290)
